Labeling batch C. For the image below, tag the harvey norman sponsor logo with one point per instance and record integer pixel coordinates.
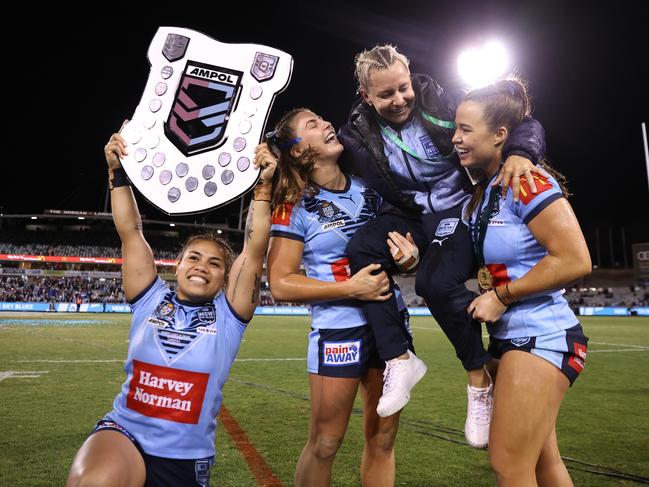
(166, 393)
(341, 353)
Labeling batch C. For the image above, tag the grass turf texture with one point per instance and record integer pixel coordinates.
(44, 420)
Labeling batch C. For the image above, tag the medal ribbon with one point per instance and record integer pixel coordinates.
(391, 134)
(479, 229)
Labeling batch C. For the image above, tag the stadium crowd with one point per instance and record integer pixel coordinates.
(22, 288)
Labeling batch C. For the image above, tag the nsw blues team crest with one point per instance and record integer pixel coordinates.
(446, 227)
(519, 342)
(328, 211)
(429, 147)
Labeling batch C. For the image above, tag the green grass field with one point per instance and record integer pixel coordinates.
(68, 368)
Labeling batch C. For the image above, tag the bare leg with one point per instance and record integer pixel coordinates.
(378, 462)
(550, 469)
(332, 399)
(527, 398)
(107, 458)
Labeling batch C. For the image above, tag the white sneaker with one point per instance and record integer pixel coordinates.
(399, 377)
(478, 414)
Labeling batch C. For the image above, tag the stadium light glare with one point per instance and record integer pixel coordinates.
(81, 218)
(481, 66)
(34, 218)
(172, 224)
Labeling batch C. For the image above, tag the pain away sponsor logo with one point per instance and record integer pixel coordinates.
(166, 393)
(336, 354)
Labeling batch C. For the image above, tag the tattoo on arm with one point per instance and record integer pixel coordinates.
(256, 289)
(236, 281)
(249, 229)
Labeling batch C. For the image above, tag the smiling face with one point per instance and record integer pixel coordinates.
(476, 143)
(201, 271)
(317, 134)
(390, 92)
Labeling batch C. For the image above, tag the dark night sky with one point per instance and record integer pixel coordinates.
(586, 68)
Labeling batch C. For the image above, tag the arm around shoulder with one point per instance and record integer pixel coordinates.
(526, 140)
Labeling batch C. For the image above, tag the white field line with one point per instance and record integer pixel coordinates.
(644, 347)
(620, 350)
(22, 374)
(286, 359)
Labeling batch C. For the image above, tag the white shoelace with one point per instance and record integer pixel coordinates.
(480, 412)
(389, 373)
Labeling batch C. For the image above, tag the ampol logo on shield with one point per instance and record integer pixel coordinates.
(199, 116)
(341, 353)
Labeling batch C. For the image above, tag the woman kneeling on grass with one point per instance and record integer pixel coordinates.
(528, 250)
(181, 346)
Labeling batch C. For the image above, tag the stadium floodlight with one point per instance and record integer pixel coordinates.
(33, 217)
(172, 224)
(481, 66)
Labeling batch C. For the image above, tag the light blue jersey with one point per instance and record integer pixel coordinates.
(435, 186)
(325, 223)
(510, 251)
(179, 357)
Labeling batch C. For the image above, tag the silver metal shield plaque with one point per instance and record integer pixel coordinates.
(203, 111)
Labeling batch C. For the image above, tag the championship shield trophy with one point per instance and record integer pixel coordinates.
(192, 137)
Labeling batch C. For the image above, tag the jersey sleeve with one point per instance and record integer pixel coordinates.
(287, 222)
(531, 204)
(151, 293)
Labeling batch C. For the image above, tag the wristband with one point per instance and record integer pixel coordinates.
(263, 191)
(117, 178)
(498, 296)
(505, 296)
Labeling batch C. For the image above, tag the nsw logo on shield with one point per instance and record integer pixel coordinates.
(201, 108)
(264, 66)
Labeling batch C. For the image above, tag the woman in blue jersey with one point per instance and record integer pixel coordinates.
(527, 251)
(181, 345)
(316, 209)
(398, 140)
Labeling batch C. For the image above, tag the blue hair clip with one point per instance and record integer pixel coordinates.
(273, 138)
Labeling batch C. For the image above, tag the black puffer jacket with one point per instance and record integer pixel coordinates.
(364, 152)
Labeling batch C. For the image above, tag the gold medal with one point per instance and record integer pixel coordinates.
(485, 279)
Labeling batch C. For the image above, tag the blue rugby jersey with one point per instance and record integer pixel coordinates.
(325, 223)
(510, 251)
(179, 357)
(435, 186)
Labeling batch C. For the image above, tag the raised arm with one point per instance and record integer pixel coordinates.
(288, 284)
(242, 289)
(138, 268)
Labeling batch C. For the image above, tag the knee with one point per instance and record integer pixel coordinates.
(507, 467)
(326, 447)
(382, 443)
(366, 247)
(87, 478)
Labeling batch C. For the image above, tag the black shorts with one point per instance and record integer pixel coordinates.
(166, 472)
(565, 349)
(345, 352)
